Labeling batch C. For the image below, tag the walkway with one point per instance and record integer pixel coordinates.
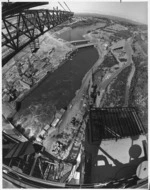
(85, 45)
(79, 41)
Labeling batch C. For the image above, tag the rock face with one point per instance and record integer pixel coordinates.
(26, 69)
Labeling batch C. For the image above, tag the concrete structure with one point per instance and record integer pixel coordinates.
(79, 42)
(85, 45)
(118, 44)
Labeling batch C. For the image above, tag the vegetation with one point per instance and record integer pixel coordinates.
(124, 34)
(109, 61)
(139, 89)
(115, 95)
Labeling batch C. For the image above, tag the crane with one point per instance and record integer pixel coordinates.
(67, 6)
(61, 6)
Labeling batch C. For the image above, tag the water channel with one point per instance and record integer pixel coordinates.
(78, 32)
(56, 91)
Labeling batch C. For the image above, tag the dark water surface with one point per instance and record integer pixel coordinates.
(56, 91)
(78, 32)
(60, 86)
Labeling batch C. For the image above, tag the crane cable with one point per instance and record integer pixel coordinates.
(61, 6)
(67, 6)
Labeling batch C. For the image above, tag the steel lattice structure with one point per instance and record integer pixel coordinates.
(21, 28)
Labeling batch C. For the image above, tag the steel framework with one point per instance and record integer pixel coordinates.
(110, 123)
(22, 28)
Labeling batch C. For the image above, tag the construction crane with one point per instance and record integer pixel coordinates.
(55, 9)
(61, 6)
(67, 6)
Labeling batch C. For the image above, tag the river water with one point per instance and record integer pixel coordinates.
(55, 92)
(78, 32)
(60, 86)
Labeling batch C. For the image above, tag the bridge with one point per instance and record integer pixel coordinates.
(76, 42)
(22, 26)
(82, 43)
(85, 45)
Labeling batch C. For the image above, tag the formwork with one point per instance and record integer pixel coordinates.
(110, 123)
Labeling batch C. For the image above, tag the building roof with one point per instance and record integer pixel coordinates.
(58, 115)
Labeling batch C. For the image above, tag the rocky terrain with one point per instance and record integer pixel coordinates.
(119, 80)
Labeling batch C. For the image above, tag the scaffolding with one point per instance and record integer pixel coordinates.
(113, 123)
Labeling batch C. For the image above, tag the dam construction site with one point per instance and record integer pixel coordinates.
(74, 98)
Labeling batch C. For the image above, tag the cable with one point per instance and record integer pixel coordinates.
(67, 6)
(61, 6)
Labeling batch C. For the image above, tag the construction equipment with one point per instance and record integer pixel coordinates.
(67, 6)
(61, 6)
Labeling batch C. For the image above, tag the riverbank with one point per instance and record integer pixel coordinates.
(55, 92)
(76, 107)
(24, 85)
(68, 55)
